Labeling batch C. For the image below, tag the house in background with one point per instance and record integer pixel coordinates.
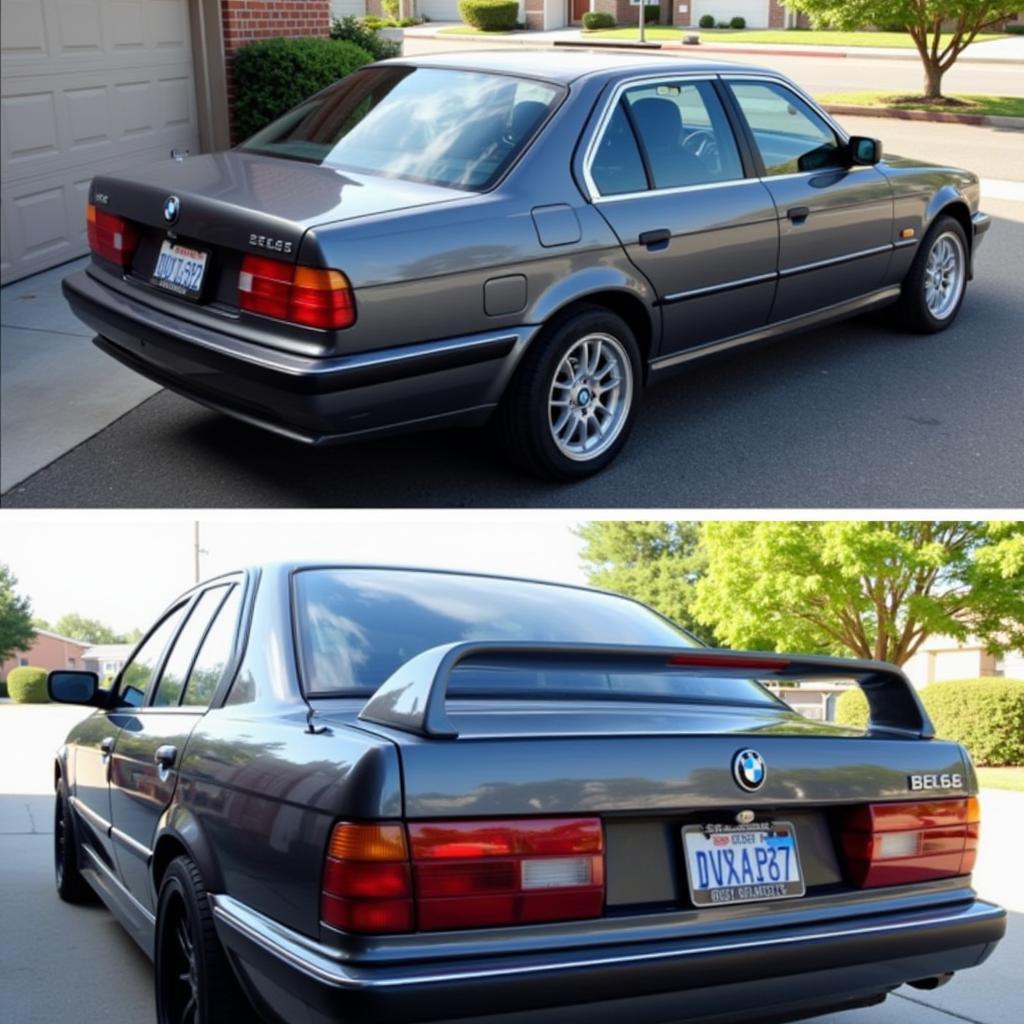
(941, 658)
(50, 651)
(106, 659)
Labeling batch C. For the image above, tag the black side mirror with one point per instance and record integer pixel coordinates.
(69, 687)
(864, 151)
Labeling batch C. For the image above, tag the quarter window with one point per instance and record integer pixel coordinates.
(179, 661)
(789, 135)
(214, 653)
(618, 167)
(138, 673)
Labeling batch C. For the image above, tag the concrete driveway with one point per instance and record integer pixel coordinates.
(75, 963)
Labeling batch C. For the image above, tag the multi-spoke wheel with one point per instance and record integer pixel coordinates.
(71, 886)
(194, 981)
(934, 288)
(570, 405)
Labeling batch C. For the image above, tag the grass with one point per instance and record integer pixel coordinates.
(468, 30)
(1003, 106)
(1002, 778)
(801, 37)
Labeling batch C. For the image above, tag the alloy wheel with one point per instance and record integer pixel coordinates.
(179, 968)
(944, 275)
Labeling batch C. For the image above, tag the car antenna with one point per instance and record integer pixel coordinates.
(311, 726)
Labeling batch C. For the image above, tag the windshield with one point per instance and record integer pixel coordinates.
(459, 129)
(357, 626)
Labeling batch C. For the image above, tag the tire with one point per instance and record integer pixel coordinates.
(195, 984)
(71, 885)
(916, 312)
(529, 421)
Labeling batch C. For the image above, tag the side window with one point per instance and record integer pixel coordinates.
(790, 136)
(138, 673)
(214, 653)
(684, 133)
(617, 167)
(179, 661)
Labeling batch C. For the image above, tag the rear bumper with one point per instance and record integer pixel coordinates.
(755, 974)
(315, 400)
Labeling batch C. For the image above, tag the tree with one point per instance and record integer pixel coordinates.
(873, 589)
(16, 630)
(655, 562)
(89, 631)
(924, 20)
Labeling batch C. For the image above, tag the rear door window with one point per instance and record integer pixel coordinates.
(617, 167)
(138, 674)
(179, 661)
(214, 654)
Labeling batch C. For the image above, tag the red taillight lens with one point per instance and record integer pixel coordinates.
(110, 237)
(302, 295)
(896, 843)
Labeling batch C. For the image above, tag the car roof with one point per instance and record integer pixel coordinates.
(567, 65)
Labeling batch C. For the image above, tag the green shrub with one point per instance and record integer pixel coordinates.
(707, 21)
(737, 22)
(274, 75)
(1014, 30)
(651, 13)
(352, 30)
(985, 715)
(597, 19)
(27, 685)
(722, 24)
(390, 8)
(490, 15)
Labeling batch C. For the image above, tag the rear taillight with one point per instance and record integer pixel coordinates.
(468, 874)
(110, 237)
(895, 843)
(303, 295)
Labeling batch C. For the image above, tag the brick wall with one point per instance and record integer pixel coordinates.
(533, 11)
(776, 14)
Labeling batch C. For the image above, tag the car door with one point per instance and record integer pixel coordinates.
(154, 734)
(679, 189)
(835, 221)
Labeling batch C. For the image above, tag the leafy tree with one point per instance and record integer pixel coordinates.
(874, 589)
(923, 19)
(16, 629)
(655, 562)
(89, 631)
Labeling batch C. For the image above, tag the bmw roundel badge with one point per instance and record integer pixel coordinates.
(172, 207)
(749, 770)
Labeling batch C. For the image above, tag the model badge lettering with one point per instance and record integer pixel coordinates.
(266, 242)
(944, 781)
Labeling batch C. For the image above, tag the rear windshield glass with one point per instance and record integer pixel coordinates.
(357, 626)
(459, 129)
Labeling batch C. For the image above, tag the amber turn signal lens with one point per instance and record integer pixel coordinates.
(368, 842)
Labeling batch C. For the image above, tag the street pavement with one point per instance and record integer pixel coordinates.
(75, 963)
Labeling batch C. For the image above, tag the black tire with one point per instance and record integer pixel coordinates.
(523, 419)
(71, 885)
(195, 984)
(912, 308)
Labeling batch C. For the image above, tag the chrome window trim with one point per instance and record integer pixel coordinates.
(674, 190)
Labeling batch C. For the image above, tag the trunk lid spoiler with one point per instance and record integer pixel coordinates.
(413, 699)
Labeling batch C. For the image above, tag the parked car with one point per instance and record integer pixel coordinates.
(533, 238)
(391, 795)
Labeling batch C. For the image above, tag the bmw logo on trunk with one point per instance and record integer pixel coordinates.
(749, 770)
(172, 207)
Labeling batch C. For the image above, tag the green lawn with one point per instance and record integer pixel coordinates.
(662, 33)
(1002, 778)
(1005, 106)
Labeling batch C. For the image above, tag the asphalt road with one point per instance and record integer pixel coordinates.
(75, 963)
(854, 416)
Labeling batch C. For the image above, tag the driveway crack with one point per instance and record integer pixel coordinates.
(938, 1009)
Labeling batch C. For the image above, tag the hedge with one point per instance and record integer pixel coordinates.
(27, 685)
(707, 21)
(737, 22)
(985, 715)
(274, 75)
(593, 20)
(490, 15)
(362, 32)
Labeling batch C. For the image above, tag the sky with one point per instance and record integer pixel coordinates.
(124, 571)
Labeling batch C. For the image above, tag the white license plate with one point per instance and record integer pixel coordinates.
(741, 864)
(180, 269)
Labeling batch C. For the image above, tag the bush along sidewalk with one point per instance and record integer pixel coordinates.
(490, 15)
(27, 685)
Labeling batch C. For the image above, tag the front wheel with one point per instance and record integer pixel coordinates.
(71, 885)
(934, 288)
(570, 405)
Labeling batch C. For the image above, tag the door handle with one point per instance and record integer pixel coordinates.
(106, 745)
(166, 756)
(798, 214)
(658, 239)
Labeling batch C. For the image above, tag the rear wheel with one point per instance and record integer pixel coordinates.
(570, 406)
(71, 885)
(934, 288)
(194, 981)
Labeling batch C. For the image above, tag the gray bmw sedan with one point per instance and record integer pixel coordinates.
(528, 238)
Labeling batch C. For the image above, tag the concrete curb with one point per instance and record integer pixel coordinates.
(992, 120)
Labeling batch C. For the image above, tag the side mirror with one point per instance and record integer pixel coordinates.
(864, 151)
(68, 687)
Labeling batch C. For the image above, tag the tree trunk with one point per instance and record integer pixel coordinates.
(932, 80)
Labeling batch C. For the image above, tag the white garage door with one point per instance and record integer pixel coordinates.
(343, 8)
(439, 10)
(754, 11)
(88, 86)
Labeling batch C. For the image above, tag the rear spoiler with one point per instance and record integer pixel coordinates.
(413, 698)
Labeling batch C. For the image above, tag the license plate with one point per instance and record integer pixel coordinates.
(180, 269)
(742, 864)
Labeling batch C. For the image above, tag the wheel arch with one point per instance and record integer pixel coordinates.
(950, 203)
(180, 833)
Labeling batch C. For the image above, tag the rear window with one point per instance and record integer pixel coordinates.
(357, 626)
(459, 129)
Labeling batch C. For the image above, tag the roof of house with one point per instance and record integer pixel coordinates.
(58, 636)
(108, 652)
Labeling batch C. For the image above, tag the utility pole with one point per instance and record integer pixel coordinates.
(643, 21)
